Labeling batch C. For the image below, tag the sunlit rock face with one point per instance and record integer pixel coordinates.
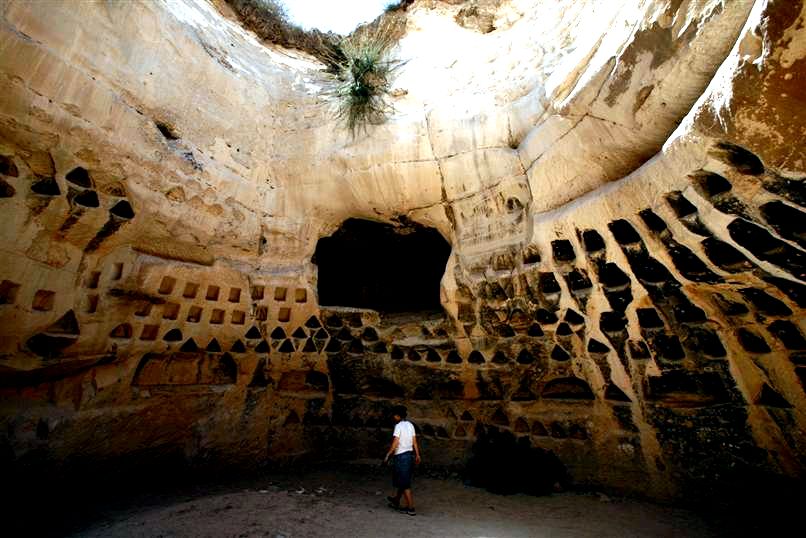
(617, 188)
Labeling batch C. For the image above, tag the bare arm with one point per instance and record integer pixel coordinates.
(392, 448)
(416, 449)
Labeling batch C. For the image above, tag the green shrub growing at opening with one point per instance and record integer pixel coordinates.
(365, 75)
(361, 62)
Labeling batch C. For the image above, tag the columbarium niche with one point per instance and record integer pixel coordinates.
(384, 267)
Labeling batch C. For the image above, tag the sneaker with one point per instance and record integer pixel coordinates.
(409, 511)
(393, 503)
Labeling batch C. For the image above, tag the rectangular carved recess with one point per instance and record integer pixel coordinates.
(92, 280)
(149, 332)
(8, 292)
(117, 271)
(92, 304)
(279, 294)
(191, 289)
(212, 293)
(238, 317)
(262, 313)
(217, 317)
(170, 311)
(235, 295)
(300, 295)
(258, 292)
(43, 300)
(284, 314)
(167, 285)
(194, 314)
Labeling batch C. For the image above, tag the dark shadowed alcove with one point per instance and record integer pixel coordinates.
(387, 268)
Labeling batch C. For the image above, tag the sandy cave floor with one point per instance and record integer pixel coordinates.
(351, 502)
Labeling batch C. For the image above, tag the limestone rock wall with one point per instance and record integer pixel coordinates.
(621, 185)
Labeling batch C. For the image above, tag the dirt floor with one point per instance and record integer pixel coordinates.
(351, 503)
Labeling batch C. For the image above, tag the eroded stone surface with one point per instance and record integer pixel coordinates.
(621, 188)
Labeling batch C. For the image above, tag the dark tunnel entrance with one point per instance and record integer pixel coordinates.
(391, 269)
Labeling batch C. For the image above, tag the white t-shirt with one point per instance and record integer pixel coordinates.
(404, 431)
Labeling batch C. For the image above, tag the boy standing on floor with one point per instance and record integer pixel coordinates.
(406, 453)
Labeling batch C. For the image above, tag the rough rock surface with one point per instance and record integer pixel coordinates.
(620, 184)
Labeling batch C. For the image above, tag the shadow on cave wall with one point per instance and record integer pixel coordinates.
(504, 464)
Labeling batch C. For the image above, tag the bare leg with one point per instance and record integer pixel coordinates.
(409, 498)
(396, 496)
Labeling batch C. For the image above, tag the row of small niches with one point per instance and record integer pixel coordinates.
(258, 293)
(171, 311)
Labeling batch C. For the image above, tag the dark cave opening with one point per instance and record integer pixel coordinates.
(383, 267)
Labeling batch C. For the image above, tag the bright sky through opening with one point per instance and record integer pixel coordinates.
(340, 16)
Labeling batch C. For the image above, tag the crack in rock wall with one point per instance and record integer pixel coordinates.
(621, 187)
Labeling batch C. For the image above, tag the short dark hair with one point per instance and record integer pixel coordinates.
(399, 410)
